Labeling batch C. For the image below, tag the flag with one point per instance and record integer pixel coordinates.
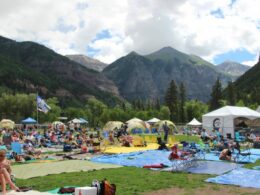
(41, 105)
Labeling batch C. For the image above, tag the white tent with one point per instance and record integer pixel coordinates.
(258, 109)
(224, 117)
(75, 121)
(153, 120)
(194, 123)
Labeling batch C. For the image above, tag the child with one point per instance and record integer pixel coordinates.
(5, 172)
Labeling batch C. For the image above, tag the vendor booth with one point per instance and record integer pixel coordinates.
(229, 118)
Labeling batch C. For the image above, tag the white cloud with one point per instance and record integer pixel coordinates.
(143, 26)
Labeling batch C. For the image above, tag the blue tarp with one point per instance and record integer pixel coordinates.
(242, 159)
(29, 120)
(254, 152)
(137, 159)
(212, 167)
(241, 177)
(152, 157)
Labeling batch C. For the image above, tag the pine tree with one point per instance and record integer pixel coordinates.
(231, 94)
(157, 104)
(172, 100)
(182, 116)
(216, 95)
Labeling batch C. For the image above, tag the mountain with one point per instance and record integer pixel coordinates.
(29, 67)
(88, 62)
(250, 81)
(233, 68)
(147, 77)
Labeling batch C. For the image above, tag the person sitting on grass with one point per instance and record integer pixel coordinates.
(5, 173)
(225, 155)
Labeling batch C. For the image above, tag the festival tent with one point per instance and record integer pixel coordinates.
(224, 118)
(194, 123)
(135, 125)
(75, 121)
(258, 109)
(170, 124)
(153, 121)
(29, 120)
(111, 125)
(6, 123)
(134, 120)
(83, 121)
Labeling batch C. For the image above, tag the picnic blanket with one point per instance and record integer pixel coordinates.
(213, 167)
(41, 169)
(120, 149)
(241, 177)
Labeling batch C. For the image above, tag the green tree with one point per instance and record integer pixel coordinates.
(216, 95)
(182, 103)
(96, 108)
(164, 113)
(195, 109)
(172, 100)
(231, 94)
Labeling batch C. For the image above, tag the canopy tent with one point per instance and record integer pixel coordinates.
(75, 121)
(224, 117)
(111, 125)
(6, 123)
(194, 123)
(258, 109)
(170, 124)
(153, 121)
(29, 120)
(83, 121)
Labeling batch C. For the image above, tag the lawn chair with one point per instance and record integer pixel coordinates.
(241, 156)
(17, 148)
(239, 138)
(181, 163)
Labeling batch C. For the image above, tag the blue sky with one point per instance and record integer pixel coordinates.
(237, 56)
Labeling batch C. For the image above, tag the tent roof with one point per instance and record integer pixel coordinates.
(258, 109)
(83, 120)
(29, 120)
(234, 111)
(135, 120)
(75, 120)
(153, 120)
(194, 122)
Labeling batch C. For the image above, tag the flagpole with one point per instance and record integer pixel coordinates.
(37, 111)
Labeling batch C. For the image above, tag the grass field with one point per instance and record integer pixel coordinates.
(129, 180)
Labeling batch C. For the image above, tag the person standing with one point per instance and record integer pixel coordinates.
(166, 131)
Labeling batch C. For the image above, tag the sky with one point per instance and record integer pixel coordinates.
(216, 30)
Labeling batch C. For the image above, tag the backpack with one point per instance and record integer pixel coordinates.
(106, 188)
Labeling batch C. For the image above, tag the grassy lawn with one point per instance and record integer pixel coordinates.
(251, 165)
(129, 180)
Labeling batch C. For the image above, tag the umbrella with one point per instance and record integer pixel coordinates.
(29, 120)
(6, 123)
(111, 125)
